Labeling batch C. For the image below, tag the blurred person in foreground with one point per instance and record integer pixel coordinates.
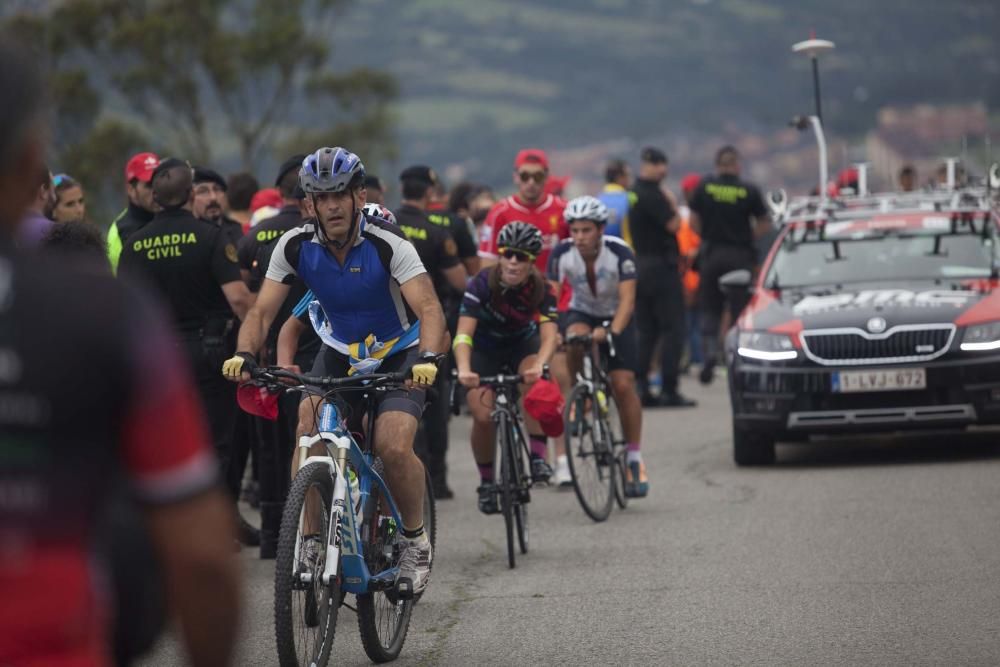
(102, 394)
(68, 203)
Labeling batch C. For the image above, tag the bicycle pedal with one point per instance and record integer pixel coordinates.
(404, 588)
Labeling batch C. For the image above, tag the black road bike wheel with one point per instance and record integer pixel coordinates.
(521, 477)
(507, 490)
(305, 614)
(614, 423)
(589, 454)
(383, 618)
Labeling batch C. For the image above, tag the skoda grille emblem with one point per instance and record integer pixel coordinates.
(876, 325)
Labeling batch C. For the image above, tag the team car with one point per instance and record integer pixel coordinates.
(871, 314)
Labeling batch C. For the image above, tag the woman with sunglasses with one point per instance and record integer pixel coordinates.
(508, 318)
(68, 203)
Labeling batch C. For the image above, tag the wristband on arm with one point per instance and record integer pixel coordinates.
(462, 339)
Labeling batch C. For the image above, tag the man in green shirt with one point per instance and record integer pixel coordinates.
(141, 207)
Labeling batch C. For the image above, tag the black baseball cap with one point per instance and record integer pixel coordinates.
(653, 155)
(294, 162)
(420, 173)
(206, 175)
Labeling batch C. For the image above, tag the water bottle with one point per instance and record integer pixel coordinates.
(602, 402)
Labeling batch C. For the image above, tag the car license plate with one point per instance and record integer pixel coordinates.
(899, 379)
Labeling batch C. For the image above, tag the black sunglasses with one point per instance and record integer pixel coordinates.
(538, 176)
(511, 253)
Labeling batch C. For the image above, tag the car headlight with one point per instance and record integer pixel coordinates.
(766, 346)
(982, 337)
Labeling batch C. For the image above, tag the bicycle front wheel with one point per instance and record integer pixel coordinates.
(305, 610)
(507, 481)
(614, 423)
(588, 450)
(520, 496)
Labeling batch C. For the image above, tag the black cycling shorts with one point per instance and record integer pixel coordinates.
(626, 343)
(491, 356)
(411, 401)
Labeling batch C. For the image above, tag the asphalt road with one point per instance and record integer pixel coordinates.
(880, 552)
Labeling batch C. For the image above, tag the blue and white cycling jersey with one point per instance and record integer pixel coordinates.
(366, 312)
(614, 264)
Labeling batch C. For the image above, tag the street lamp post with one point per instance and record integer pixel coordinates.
(813, 48)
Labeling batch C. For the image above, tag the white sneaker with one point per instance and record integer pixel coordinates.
(563, 477)
(414, 566)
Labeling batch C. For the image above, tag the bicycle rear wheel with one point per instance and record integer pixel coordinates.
(383, 619)
(305, 612)
(507, 489)
(589, 454)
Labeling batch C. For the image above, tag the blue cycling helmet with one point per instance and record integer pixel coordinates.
(331, 170)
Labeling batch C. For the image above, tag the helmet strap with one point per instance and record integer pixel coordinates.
(355, 213)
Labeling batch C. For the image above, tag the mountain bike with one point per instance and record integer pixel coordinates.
(595, 441)
(340, 505)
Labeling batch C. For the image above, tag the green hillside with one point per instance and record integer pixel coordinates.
(480, 78)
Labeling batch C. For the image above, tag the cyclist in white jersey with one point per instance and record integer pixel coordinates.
(601, 272)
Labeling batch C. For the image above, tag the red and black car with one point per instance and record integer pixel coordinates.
(880, 314)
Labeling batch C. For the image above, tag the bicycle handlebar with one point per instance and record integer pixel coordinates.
(588, 338)
(275, 374)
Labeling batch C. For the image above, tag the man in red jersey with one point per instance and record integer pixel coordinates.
(531, 205)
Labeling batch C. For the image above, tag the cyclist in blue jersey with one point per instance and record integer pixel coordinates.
(601, 272)
(383, 315)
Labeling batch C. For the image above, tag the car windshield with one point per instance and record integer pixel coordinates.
(882, 256)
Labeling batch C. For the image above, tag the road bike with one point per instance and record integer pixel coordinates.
(513, 476)
(339, 504)
(595, 442)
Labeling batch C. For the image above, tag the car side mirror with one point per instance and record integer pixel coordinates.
(735, 282)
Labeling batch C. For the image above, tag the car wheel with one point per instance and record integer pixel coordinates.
(751, 448)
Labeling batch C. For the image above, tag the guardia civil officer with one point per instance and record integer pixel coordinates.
(192, 263)
(729, 214)
(439, 254)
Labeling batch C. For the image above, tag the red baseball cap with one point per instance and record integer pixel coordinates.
(545, 403)
(257, 400)
(266, 197)
(140, 167)
(690, 182)
(531, 156)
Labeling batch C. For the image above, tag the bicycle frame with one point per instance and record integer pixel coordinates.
(344, 527)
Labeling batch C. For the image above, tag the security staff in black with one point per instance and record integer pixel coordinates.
(192, 263)
(659, 299)
(439, 254)
(210, 190)
(468, 249)
(730, 215)
(275, 439)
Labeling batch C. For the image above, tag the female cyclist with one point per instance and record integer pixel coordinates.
(508, 319)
